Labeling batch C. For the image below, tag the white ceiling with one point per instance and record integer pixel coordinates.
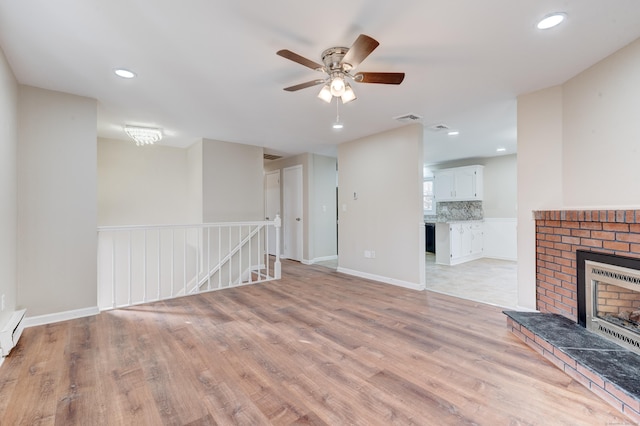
(209, 68)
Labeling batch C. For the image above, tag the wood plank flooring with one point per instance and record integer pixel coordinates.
(316, 347)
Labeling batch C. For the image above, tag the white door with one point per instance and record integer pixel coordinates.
(292, 212)
(272, 205)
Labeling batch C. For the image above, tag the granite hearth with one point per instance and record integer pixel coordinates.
(607, 369)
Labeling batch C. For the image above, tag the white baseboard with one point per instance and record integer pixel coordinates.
(386, 280)
(319, 259)
(523, 309)
(60, 316)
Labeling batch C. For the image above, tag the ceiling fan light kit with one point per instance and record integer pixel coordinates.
(338, 64)
(325, 93)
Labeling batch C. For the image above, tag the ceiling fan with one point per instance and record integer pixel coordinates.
(339, 64)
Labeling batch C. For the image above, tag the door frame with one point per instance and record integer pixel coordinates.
(293, 219)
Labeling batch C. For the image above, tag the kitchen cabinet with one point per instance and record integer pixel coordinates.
(459, 242)
(458, 184)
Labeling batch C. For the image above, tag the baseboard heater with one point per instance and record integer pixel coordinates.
(11, 332)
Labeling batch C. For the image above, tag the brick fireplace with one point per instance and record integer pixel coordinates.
(559, 234)
(565, 242)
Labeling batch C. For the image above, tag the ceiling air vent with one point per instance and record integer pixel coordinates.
(271, 156)
(439, 127)
(408, 118)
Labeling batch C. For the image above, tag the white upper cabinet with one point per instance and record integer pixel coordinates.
(458, 184)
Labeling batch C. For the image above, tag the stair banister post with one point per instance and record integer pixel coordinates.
(277, 269)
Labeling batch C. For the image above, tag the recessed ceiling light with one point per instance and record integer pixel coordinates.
(501, 149)
(453, 133)
(551, 20)
(124, 73)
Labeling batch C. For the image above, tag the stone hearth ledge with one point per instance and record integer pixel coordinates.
(607, 369)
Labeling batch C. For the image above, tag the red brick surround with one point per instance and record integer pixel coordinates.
(560, 233)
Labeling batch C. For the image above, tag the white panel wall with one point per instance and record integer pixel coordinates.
(57, 203)
(380, 206)
(500, 238)
(233, 182)
(145, 185)
(8, 186)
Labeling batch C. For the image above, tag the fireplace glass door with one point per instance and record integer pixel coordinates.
(613, 303)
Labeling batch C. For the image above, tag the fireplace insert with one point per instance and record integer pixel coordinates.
(609, 297)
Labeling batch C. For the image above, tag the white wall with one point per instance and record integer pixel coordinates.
(233, 182)
(601, 135)
(141, 185)
(500, 187)
(194, 182)
(577, 148)
(57, 202)
(385, 172)
(539, 177)
(8, 187)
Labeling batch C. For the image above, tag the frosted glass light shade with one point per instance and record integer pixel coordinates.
(337, 86)
(325, 94)
(348, 94)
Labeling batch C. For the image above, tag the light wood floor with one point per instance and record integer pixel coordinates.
(316, 347)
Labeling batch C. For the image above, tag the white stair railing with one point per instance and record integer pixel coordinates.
(140, 264)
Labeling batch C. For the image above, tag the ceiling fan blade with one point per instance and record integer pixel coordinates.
(361, 48)
(303, 85)
(379, 77)
(299, 59)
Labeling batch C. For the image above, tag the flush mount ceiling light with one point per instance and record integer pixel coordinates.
(551, 20)
(124, 73)
(501, 149)
(143, 135)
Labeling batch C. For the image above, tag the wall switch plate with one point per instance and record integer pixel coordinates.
(367, 254)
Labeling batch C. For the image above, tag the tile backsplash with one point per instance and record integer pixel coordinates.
(448, 211)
